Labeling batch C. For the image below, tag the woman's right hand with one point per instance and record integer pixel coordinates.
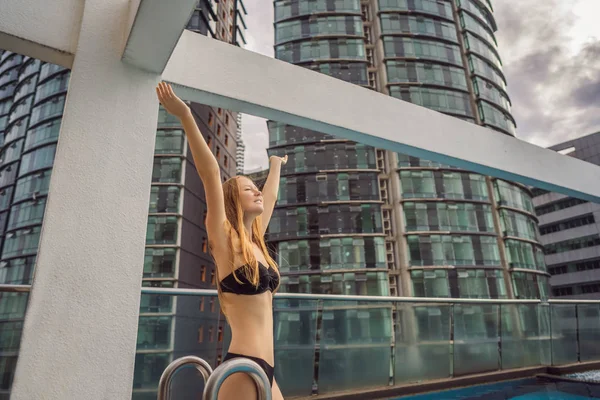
(169, 100)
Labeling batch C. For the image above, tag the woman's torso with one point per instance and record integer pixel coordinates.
(250, 316)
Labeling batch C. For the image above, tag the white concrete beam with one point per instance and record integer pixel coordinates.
(46, 30)
(154, 32)
(79, 336)
(215, 73)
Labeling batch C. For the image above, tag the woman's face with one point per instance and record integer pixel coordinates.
(250, 196)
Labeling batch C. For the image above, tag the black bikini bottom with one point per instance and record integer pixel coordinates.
(262, 363)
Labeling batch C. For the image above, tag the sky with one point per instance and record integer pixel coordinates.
(550, 51)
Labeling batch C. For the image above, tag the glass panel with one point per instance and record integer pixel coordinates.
(448, 101)
(588, 323)
(397, 46)
(169, 141)
(564, 333)
(162, 230)
(422, 348)
(319, 26)
(476, 338)
(48, 109)
(40, 158)
(482, 49)
(406, 72)
(12, 315)
(31, 185)
(434, 7)
(523, 326)
(295, 333)
(164, 199)
(42, 134)
(159, 262)
(21, 242)
(294, 8)
(297, 52)
(492, 116)
(393, 23)
(354, 335)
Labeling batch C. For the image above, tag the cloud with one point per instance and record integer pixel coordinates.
(554, 86)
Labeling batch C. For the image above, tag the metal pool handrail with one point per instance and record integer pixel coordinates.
(229, 367)
(164, 385)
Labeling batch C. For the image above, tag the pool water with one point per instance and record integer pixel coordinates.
(522, 389)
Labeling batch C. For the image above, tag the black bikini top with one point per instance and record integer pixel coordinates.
(268, 279)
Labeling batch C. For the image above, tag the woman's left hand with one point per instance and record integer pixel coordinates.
(282, 159)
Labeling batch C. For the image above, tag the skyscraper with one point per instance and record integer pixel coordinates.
(570, 232)
(358, 220)
(32, 97)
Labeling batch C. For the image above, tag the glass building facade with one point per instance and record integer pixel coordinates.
(416, 227)
(353, 219)
(32, 99)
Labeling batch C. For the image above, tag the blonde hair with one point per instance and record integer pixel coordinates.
(239, 242)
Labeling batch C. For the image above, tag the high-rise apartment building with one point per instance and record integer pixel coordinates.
(357, 220)
(570, 230)
(32, 97)
(360, 220)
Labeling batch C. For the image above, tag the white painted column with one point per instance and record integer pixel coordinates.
(80, 329)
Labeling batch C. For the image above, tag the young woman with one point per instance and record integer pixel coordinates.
(237, 218)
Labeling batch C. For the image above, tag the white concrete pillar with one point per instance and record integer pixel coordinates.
(81, 324)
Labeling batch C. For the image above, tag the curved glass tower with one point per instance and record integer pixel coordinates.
(356, 220)
(352, 219)
(32, 97)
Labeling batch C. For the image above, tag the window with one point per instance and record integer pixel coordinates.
(573, 244)
(204, 217)
(210, 334)
(567, 224)
(226, 119)
(212, 278)
(209, 141)
(204, 245)
(562, 291)
(200, 334)
(218, 130)
(218, 152)
(226, 140)
(559, 205)
(161, 230)
(210, 119)
(219, 111)
(212, 304)
(220, 334)
(201, 304)
(203, 273)
(225, 161)
(164, 199)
